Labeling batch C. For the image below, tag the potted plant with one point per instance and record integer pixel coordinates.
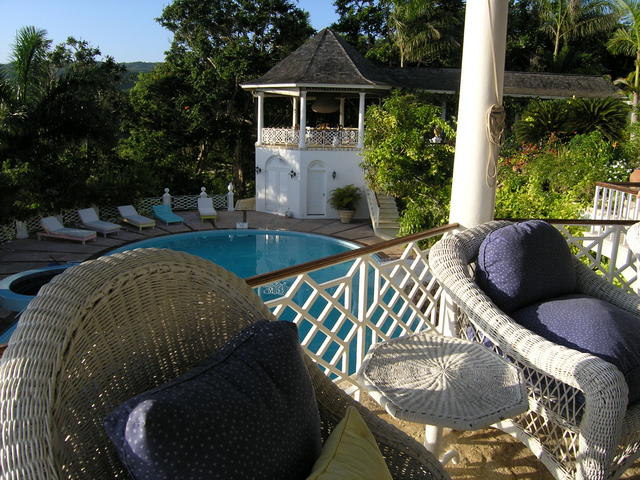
(344, 199)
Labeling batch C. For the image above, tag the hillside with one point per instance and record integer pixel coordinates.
(130, 77)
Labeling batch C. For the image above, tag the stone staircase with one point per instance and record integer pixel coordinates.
(384, 215)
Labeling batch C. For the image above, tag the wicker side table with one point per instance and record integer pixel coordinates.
(442, 381)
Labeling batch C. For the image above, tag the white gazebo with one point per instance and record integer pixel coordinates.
(313, 102)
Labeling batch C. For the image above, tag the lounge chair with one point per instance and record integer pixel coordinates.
(166, 215)
(206, 210)
(89, 219)
(54, 229)
(130, 215)
(109, 329)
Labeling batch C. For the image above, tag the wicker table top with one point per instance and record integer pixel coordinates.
(443, 381)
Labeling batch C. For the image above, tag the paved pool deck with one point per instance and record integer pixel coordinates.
(20, 255)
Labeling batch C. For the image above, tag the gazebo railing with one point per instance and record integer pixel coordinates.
(325, 138)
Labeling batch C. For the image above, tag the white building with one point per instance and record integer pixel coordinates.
(322, 88)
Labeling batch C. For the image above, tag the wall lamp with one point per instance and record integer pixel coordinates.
(258, 170)
(334, 175)
(292, 173)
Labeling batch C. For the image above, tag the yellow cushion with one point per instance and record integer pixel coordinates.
(350, 453)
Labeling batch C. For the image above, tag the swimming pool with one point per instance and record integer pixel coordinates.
(249, 252)
(245, 253)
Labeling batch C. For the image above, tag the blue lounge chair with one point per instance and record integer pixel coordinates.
(166, 215)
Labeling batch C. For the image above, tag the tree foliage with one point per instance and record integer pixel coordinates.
(562, 119)
(557, 180)
(58, 134)
(194, 106)
(426, 32)
(400, 160)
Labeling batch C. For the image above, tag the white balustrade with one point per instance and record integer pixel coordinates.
(327, 138)
(615, 202)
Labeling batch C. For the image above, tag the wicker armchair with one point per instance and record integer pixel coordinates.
(578, 422)
(111, 328)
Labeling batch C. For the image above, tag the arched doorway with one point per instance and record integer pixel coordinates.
(276, 185)
(316, 188)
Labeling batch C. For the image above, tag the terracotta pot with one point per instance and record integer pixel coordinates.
(346, 215)
(635, 176)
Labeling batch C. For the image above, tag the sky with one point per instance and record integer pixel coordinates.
(124, 29)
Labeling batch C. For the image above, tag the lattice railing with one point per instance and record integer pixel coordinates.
(326, 138)
(345, 304)
(342, 309)
(280, 136)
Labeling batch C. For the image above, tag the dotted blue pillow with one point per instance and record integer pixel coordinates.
(249, 411)
(592, 326)
(524, 263)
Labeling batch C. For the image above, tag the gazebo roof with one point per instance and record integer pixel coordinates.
(325, 60)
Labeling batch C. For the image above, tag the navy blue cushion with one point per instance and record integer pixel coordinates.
(249, 411)
(592, 326)
(524, 263)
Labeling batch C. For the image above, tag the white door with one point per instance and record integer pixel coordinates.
(276, 192)
(316, 191)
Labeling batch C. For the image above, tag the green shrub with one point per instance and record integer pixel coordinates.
(400, 160)
(557, 181)
(545, 120)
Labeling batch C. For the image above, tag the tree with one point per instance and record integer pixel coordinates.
(363, 23)
(59, 125)
(626, 41)
(564, 20)
(401, 161)
(425, 31)
(217, 45)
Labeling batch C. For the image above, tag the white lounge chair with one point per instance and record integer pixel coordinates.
(130, 215)
(89, 219)
(206, 210)
(54, 229)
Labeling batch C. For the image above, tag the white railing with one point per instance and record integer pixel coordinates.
(616, 201)
(362, 300)
(325, 138)
(374, 207)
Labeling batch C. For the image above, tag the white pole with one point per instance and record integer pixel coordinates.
(260, 117)
(361, 121)
(303, 119)
(294, 119)
(473, 190)
(341, 120)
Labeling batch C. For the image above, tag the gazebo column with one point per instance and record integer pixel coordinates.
(341, 119)
(481, 82)
(361, 121)
(260, 117)
(303, 120)
(294, 119)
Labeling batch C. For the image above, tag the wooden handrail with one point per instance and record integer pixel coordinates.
(287, 272)
(625, 187)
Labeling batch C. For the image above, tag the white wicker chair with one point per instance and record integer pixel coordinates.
(594, 438)
(111, 328)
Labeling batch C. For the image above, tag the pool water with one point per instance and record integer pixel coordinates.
(249, 253)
